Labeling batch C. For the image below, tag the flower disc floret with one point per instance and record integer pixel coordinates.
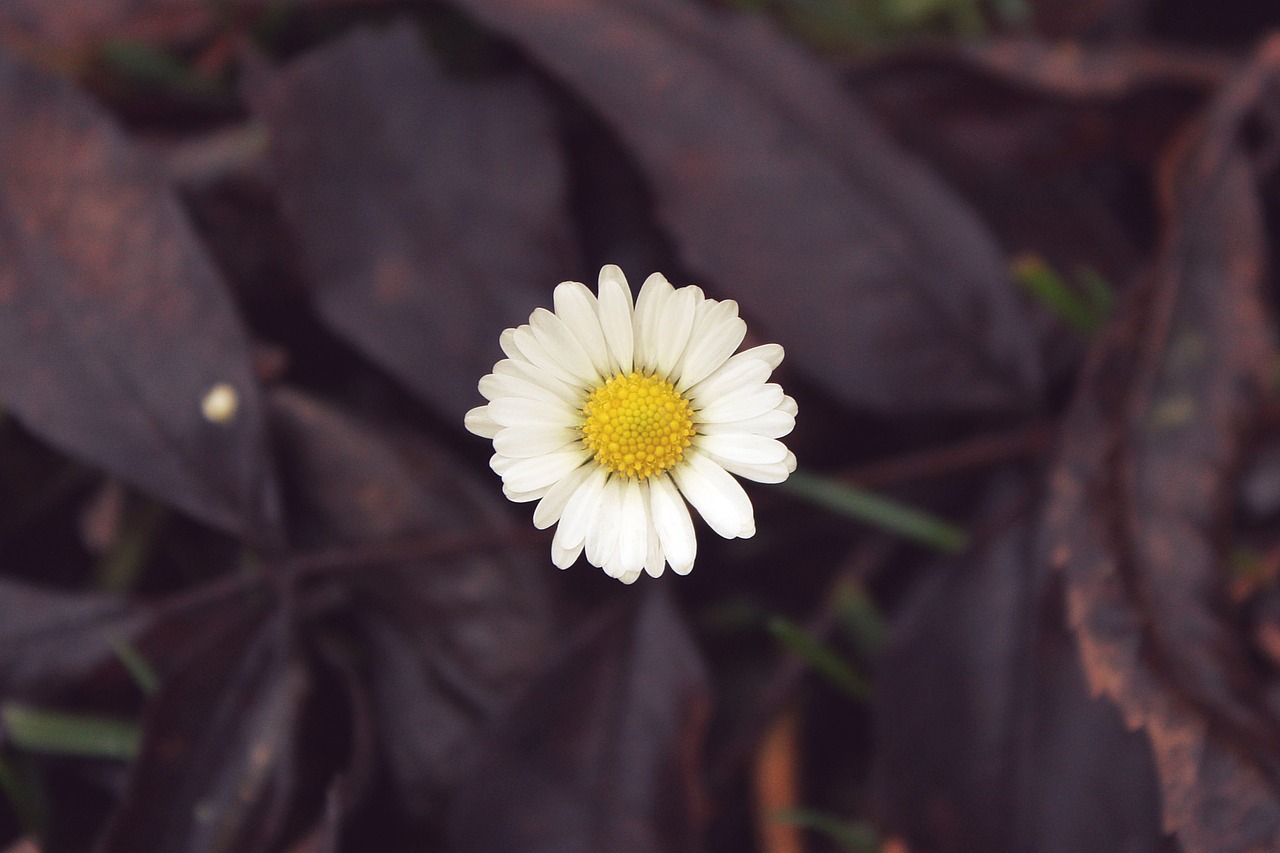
(637, 425)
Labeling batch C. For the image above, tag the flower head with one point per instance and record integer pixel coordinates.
(612, 414)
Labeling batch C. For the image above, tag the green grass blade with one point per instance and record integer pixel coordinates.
(1097, 292)
(886, 514)
(142, 673)
(20, 782)
(860, 618)
(58, 733)
(850, 835)
(1044, 283)
(820, 658)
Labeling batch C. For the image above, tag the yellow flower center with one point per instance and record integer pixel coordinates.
(637, 425)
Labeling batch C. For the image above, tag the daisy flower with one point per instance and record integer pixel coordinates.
(612, 414)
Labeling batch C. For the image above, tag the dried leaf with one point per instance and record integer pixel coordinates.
(779, 191)
(1141, 485)
(80, 23)
(1071, 70)
(113, 320)
(430, 211)
(216, 768)
(51, 638)
(986, 736)
(447, 640)
(600, 753)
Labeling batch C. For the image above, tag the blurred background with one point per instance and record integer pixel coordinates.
(259, 590)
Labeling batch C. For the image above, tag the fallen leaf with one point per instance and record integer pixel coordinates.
(215, 772)
(601, 752)
(114, 323)
(446, 640)
(50, 638)
(1142, 483)
(986, 735)
(430, 211)
(72, 24)
(779, 191)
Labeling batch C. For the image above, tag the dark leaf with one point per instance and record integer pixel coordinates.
(216, 768)
(448, 639)
(601, 753)
(113, 322)
(49, 638)
(79, 23)
(1069, 19)
(1117, 586)
(1053, 145)
(1070, 70)
(987, 738)
(779, 191)
(1141, 487)
(430, 211)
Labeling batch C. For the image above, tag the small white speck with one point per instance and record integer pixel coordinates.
(220, 404)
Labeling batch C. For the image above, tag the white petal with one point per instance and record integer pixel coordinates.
(507, 340)
(561, 344)
(530, 347)
(576, 306)
(654, 560)
(716, 496)
(654, 294)
(563, 558)
(523, 497)
(553, 504)
(774, 424)
(541, 472)
(580, 512)
(493, 386)
(674, 525)
(501, 464)
(789, 406)
(616, 316)
(523, 370)
(523, 442)
(602, 538)
(736, 373)
(737, 405)
(672, 334)
(773, 472)
(629, 577)
(523, 412)
(479, 422)
(741, 447)
(711, 346)
(769, 353)
(633, 527)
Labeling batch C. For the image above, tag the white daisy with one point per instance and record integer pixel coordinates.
(612, 414)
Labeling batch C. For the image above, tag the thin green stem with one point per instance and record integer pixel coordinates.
(822, 659)
(884, 513)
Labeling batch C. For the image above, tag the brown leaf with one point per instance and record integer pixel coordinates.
(430, 210)
(215, 771)
(447, 640)
(1141, 485)
(1084, 18)
(51, 638)
(114, 324)
(1071, 70)
(601, 752)
(1053, 144)
(80, 23)
(986, 736)
(779, 191)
